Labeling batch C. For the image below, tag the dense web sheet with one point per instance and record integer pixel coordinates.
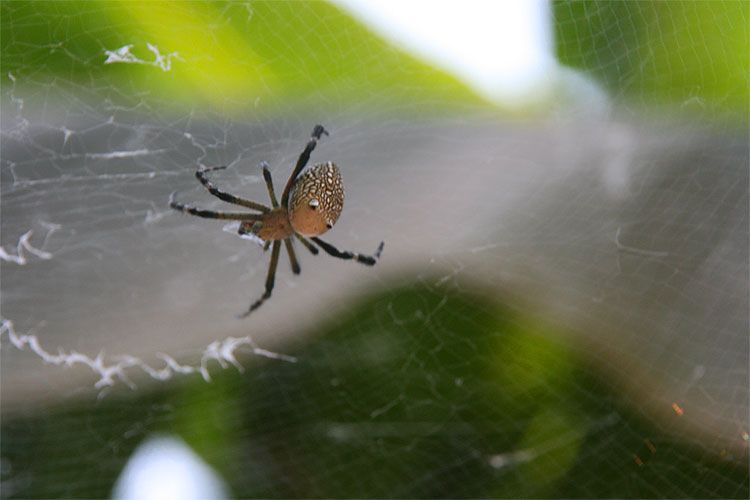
(557, 295)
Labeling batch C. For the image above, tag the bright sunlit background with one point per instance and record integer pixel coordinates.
(502, 50)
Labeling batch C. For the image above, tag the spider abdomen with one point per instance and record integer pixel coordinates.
(316, 200)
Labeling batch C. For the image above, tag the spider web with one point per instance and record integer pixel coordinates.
(561, 307)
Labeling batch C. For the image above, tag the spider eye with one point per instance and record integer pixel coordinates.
(314, 203)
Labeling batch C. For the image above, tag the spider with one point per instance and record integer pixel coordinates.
(310, 206)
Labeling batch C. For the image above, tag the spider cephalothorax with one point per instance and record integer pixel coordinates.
(310, 206)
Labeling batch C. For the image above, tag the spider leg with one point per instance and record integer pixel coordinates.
(313, 249)
(269, 184)
(229, 198)
(304, 157)
(269, 280)
(292, 256)
(368, 260)
(210, 214)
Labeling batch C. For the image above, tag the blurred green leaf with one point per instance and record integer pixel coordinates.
(208, 421)
(691, 53)
(417, 392)
(225, 54)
